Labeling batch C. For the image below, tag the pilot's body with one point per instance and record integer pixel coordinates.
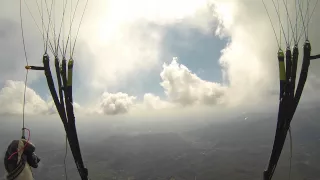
(19, 159)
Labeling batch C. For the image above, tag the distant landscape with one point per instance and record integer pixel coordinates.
(237, 148)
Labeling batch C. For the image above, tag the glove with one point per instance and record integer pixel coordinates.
(18, 153)
(29, 152)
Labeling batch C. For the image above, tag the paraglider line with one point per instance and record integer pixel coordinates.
(288, 19)
(74, 44)
(26, 79)
(69, 34)
(24, 103)
(62, 25)
(278, 13)
(274, 31)
(312, 14)
(303, 22)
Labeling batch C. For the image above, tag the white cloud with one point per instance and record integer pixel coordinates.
(118, 103)
(249, 61)
(186, 88)
(153, 102)
(11, 100)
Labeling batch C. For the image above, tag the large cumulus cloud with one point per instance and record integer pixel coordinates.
(117, 103)
(12, 97)
(153, 102)
(186, 88)
(11, 100)
(249, 61)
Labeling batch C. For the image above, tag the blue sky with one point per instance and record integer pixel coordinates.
(198, 51)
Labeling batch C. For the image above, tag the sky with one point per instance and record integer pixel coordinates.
(154, 57)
